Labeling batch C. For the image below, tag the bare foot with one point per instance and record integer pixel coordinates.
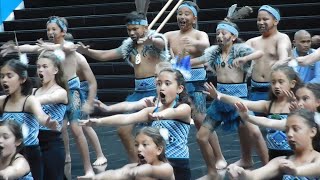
(100, 161)
(221, 164)
(244, 164)
(210, 177)
(88, 176)
(67, 159)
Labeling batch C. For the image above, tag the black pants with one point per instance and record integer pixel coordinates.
(33, 155)
(53, 154)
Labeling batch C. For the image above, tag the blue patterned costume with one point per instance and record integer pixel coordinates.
(143, 88)
(195, 87)
(74, 103)
(31, 141)
(223, 113)
(84, 92)
(51, 143)
(146, 86)
(289, 177)
(177, 151)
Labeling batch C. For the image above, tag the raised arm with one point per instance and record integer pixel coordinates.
(88, 75)
(16, 170)
(100, 55)
(10, 47)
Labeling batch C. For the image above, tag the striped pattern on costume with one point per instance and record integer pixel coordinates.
(176, 146)
(197, 74)
(277, 140)
(145, 84)
(289, 177)
(56, 112)
(29, 121)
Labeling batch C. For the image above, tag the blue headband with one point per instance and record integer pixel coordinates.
(60, 23)
(270, 10)
(194, 11)
(142, 22)
(229, 28)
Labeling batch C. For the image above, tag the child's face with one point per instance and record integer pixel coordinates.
(8, 144)
(136, 32)
(280, 82)
(299, 133)
(224, 37)
(167, 87)
(265, 21)
(10, 81)
(185, 18)
(46, 70)
(54, 32)
(148, 151)
(306, 99)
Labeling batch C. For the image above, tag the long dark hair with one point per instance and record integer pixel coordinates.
(59, 77)
(16, 130)
(309, 118)
(22, 70)
(291, 75)
(183, 96)
(155, 135)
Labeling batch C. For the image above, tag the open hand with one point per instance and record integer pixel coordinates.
(145, 40)
(7, 48)
(287, 167)
(82, 49)
(211, 90)
(89, 122)
(243, 110)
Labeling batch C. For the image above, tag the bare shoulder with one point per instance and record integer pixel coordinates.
(171, 34)
(317, 157)
(283, 36)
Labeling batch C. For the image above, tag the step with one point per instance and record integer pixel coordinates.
(84, 10)
(118, 19)
(120, 31)
(50, 3)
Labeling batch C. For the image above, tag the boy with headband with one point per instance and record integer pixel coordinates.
(192, 42)
(276, 47)
(231, 61)
(142, 50)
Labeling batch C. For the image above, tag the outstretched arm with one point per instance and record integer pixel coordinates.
(182, 112)
(256, 106)
(120, 119)
(100, 55)
(309, 59)
(260, 121)
(124, 106)
(268, 171)
(10, 47)
(18, 169)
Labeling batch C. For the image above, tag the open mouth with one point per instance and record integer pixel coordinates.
(1, 148)
(162, 95)
(292, 144)
(41, 77)
(141, 159)
(277, 92)
(5, 88)
(182, 23)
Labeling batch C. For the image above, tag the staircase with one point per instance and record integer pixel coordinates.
(100, 24)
